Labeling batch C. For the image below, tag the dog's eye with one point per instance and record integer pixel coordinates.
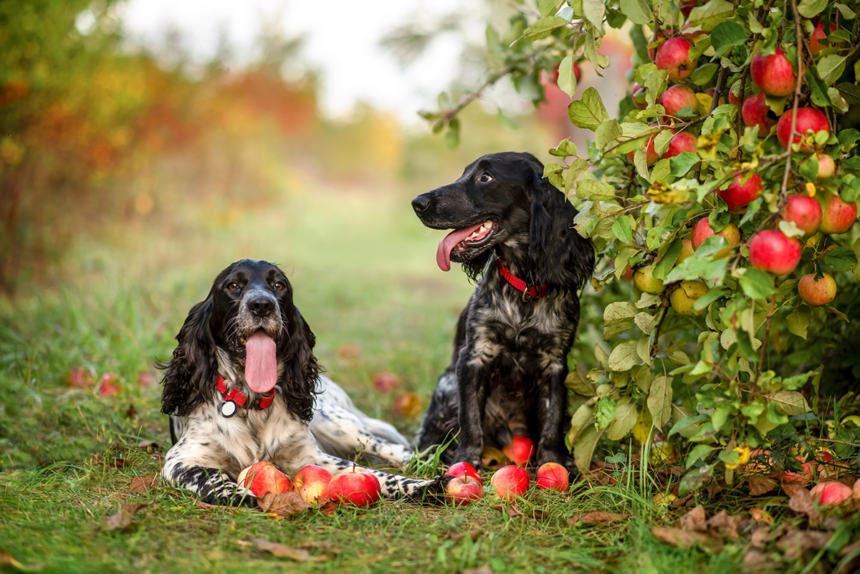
(485, 177)
(280, 286)
(233, 286)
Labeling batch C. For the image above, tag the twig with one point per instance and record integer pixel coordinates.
(766, 334)
(721, 79)
(785, 175)
(740, 106)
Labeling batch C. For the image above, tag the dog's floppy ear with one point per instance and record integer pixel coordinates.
(301, 369)
(192, 368)
(562, 258)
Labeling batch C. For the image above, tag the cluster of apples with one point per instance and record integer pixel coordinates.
(355, 487)
(770, 249)
(507, 482)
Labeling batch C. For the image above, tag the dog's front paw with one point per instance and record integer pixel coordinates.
(470, 455)
(231, 497)
(433, 492)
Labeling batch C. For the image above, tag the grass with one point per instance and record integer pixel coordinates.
(364, 275)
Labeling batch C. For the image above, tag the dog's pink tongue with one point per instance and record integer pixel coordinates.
(261, 364)
(443, 254)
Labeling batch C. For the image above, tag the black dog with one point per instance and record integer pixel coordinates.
(244, 386)
(510, 351)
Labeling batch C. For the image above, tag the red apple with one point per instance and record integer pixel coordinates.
(685, 296)
(771, 250)
(552, 476)
(687, 6)
(311, 482)
(807, 119)
(827, 493)
(650, 153)
(658, 36)
(703, 230)
(687, 250)
(676, 98)
(638, 93)
(262, 477)
(384, 382)
(680, 143)
(577, 73)
(734, 93)
(673, 55)
(804, 211)
(815, 45)
(354, 487)
(520, 450)
(838, 216)
(462, 469)
(755, 113)
(817, 293)
(463, 490)
(510, 481)
(802, 477)
(826, 166)
(739, 194)
(774, 75)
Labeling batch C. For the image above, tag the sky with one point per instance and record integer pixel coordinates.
(341, 40)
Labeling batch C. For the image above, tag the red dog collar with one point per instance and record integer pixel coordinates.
(533, 292)
(235, 398)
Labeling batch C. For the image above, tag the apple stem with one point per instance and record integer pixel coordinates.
(782, 192)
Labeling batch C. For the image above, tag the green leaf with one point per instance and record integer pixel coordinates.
(566, 75)
(637, 11)
(686, 422)
(704, 74)
(604, 412)
(589, 112)
(698, 268)
(591, 53)
(774, 414)
(625, 419)
(661, 142)
(640, 160)
(682, 163)
(699, 452)
(656, 84)
(583, 447)
(757, 284)
(660, 171)
(607, 133)
(583, 416)
(830, 68)
(565, 148)
(549, 7)
(622, 230)
(576, 168)
(542, 28)
(624, 357)
(842, 259)
(577, 382)
(791, 403)
(811, 8)
(708, 298)
(818, 89)
(798, 322)
(846, 12)
(727, 34)
(665, 265)
(594, 11)
(710, 14)
(660, 400)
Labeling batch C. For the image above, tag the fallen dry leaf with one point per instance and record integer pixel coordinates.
(597, 518)
(204, 505)
(694, 520)
(753, 561)
(760, 484)
(328, 547)
(142, 484)
(684, 538)
(6, 559)
(149, 445)
(724, 524)
(760, 538)
(850, 548)
(713, 489)
(457, 535)
(796, 542)
(682, 501)
(802, 503)
(276, 549)
(493, 457)
(79, 378)
(408, 405)
(760, 515)
(790, 488)
(328, 507)
(123, 518)
(283, 505)
(130, 412)
(482, 570)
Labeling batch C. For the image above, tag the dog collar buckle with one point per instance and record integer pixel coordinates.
(228, 409)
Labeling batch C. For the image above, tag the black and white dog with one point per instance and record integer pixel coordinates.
(244, 386)
(506, 378)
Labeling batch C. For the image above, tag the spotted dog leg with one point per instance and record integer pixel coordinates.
(210, 484)
(341, 432)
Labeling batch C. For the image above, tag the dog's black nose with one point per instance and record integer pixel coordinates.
(421, 203)
(261, 307)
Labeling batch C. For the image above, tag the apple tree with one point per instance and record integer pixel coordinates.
(725, 191)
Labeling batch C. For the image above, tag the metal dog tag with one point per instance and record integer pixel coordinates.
(228, 409)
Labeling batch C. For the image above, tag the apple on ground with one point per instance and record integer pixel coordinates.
(673, 55)
(807, 119)
(263, 477)
(680, 143)
(830, 493)
(510, 481)
(818, 34)
(687, 250)
(638, 93)
(520, 450)
(462, 469)
(774, 75)
(757, 463)
(676, 98)
(311, 482)
(755, 112)
(703, 230)
(645, 281)
(463, 490)
(817, 293)
(355, 487)
(802, 477)
(685, 296)
(552, 476)
(770, 250)
(804, 211)
(740, 193)
(838, 216)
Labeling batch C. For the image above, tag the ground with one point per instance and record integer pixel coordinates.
(364, 276)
